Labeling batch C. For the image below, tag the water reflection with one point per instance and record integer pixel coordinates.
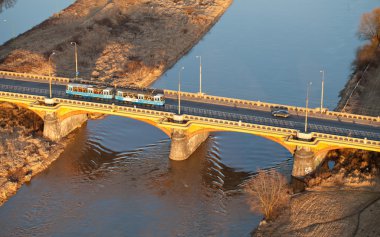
(131, 190)
(5, 4)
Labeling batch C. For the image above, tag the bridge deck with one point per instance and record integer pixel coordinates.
(254, 116)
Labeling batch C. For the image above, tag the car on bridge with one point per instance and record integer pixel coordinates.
(280, 111)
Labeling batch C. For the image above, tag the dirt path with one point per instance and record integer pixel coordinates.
(122, 41)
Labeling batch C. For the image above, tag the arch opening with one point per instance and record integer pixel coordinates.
(19, 116)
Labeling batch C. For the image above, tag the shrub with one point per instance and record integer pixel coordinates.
(268, 193)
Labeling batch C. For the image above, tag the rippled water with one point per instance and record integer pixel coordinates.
(115, 178)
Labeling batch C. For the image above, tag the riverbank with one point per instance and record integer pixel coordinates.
(125, 42)
(361, 94)
(328, 212)
(23, 151)
(339, 201)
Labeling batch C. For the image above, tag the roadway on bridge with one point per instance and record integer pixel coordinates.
(213, 111)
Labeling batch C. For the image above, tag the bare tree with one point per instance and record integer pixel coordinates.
(369, 28)
(268, 193)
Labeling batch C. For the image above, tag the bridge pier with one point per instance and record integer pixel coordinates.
(304, 162)
(183, 145)
(55, 128)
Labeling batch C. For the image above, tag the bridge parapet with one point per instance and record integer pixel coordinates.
(264, 106)
(17, 75)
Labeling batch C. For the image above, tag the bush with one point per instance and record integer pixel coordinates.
(268, 193)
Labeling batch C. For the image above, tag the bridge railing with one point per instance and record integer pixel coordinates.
(33, 77)
(267, 107)
(346, 139)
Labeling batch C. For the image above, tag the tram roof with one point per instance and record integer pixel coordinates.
(89, 86)
(141, 91)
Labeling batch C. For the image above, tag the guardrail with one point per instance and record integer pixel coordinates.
(346, 139)
(268, 106)
(21, 96)
(33, 76)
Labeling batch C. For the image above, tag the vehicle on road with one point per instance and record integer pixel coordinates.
(143, 96)
(280, 111)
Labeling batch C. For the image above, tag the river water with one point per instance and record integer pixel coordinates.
(115, 178)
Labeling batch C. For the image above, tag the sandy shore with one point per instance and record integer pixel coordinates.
(121, 41)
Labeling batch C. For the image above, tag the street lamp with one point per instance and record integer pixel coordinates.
(179, 90)
(50, 92)
(323, 84)
(200, 74)
(76, 59)
(307, 104)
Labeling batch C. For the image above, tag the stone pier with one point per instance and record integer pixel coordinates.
(56, 128)
(183, 145)
(304, 162)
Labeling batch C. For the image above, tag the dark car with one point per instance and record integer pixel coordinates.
(280, 111)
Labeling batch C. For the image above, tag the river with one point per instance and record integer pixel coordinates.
(115, 178)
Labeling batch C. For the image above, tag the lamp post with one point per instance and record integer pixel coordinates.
(200, 74)
(323, 85)
(76, 59)
(179, 90)
(307, 104)
(50, 92)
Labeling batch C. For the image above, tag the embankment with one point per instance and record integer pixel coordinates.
(23, 151)
(339, 201)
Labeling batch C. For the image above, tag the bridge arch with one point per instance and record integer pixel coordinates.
(26, 107)
(32, 120)
(277, 140)
(64, 114)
